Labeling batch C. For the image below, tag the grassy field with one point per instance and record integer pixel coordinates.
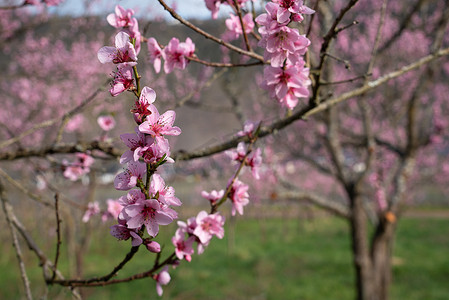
(264, 259)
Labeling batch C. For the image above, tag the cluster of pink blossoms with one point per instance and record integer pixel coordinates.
(149, 201)
(234, 26)
(148, 148)
(74, 170)
(287, 78)
(123, 19)
(175, 54)
(199, 229)
(124, 55)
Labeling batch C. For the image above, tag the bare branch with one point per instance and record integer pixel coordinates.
(309, 111)
(20, 187)
(7, 209)
(51, 122)
(106, 148)
(303, 114)
(329, 205)
(210, 36)
(58, 235)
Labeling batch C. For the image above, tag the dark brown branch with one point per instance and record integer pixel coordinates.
(58, 236)
(330, 35)
(62, 149)
(223, 65)
(87, 282)
(146, 274)
(344, 81)
(301, 114)
(245, 36)
(309, 111)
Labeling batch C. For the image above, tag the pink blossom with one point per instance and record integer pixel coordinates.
(268, 21)
(75, 123)
(213, 196)
(208, 225)
(166, 193)
(73, 172)
(122, 52)
(128, 178)
(159, 125)
(163, 278)
(122, 232)
(282, 56)
(237, 154)
(81, 166)
(292, 8)
(248, 128)
(254, 161)
(282, 38)
(169, 211)
(287, 85)
(235, 27)
(155, 54)
(147, 213)
(188, 227)
(239, 196)
(123, 79)
(106, 122)
(113, 211)
(153, 246)
(156, 151)
(214, 7)
(135, 142)
(141, 108)
(134, 33)
(93, 208)
(133, 196)
(176, 53)
(183, 248)
(121, 18)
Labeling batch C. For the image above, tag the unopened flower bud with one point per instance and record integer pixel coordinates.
(153, 246)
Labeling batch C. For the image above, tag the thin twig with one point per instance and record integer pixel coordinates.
(245, 36)
(210, 36)
(330, 35)
(146, 274)
(53, 121)
(20, 187)
(205, 85)
(103, 279)
(310, 111)
(303, 113)
(223, 65)
(6, 209)
(58, 235)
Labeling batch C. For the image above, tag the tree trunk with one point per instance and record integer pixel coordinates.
(372, 264)
(381, 254)
(360, 250)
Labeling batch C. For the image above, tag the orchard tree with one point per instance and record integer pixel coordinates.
(339, 104)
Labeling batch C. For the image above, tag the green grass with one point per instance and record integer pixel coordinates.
(263, 259)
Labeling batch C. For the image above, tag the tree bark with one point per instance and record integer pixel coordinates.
(360, 250)
(372, 262)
